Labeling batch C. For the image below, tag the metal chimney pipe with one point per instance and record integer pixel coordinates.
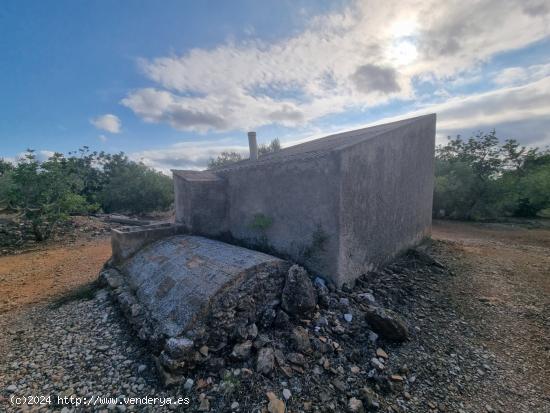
(253, 145)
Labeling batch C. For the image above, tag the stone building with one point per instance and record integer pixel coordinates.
(338, 205)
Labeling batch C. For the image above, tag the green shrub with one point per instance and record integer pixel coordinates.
(47, 193)
(44, 193)
(132, 187)
(479, 178)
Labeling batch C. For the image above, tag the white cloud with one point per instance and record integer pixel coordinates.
(110, 123)
(510, 104)
(102, 138)
(40, 155)
(510, 76)
(519, 75)
(193, 155)
(360, 57)
(519, 112)
(161, 106)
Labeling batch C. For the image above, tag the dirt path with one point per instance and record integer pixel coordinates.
(38, 276)
(502, 290)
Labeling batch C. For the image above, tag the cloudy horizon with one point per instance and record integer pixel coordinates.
(175, 87)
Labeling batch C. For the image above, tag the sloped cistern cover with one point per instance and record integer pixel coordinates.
(175, 278)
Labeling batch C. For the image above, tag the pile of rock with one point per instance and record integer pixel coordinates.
(14, 234)
(269, 322)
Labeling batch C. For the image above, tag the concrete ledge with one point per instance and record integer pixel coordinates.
(126, 241)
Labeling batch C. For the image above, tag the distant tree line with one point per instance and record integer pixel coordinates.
(229, 157)
(480, 178)
(46, 193)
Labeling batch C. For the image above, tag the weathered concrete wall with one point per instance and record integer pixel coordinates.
(385, 196)
(126, 241)
(339, 205)
(201, 202)
(290, 206)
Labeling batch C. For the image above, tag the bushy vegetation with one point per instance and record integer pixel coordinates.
(45, 194)
(229, 157)
(133, 187)
(273, 146)
(479, 178)
(224, 158)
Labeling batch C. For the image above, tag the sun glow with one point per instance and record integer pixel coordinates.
(402, 49)
(404, 28)
(403, 52)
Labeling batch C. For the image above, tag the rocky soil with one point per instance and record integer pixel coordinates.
(16, 235)
(466, 351)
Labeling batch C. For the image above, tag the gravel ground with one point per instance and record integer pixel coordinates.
(455, 361)
(84, 348)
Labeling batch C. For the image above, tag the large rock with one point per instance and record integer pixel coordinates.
(266, 361)
(387, 324)
(300, 340)
(178, 347)
(242, 351)
(299, 295)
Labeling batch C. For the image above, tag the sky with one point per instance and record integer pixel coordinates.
(173, 83)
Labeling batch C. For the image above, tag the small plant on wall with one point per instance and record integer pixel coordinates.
(311, 252)
(319, 238)
(261, 223)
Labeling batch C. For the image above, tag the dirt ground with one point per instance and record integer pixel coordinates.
(501, 290)
(37, 276)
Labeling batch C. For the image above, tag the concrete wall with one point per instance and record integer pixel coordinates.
(201, 202)
(126, 241)
(299, 198)
(386, 196)
(339, 214)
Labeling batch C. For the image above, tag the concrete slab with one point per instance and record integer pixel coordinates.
(177, 277)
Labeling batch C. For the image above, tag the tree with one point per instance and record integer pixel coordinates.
(273, 146)
(44, 194)
(5, 167)
(133, 187)
(6, 182)
(526, 188)
(465, 176)
(229, 157)
(223, 159)
(479, 178)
